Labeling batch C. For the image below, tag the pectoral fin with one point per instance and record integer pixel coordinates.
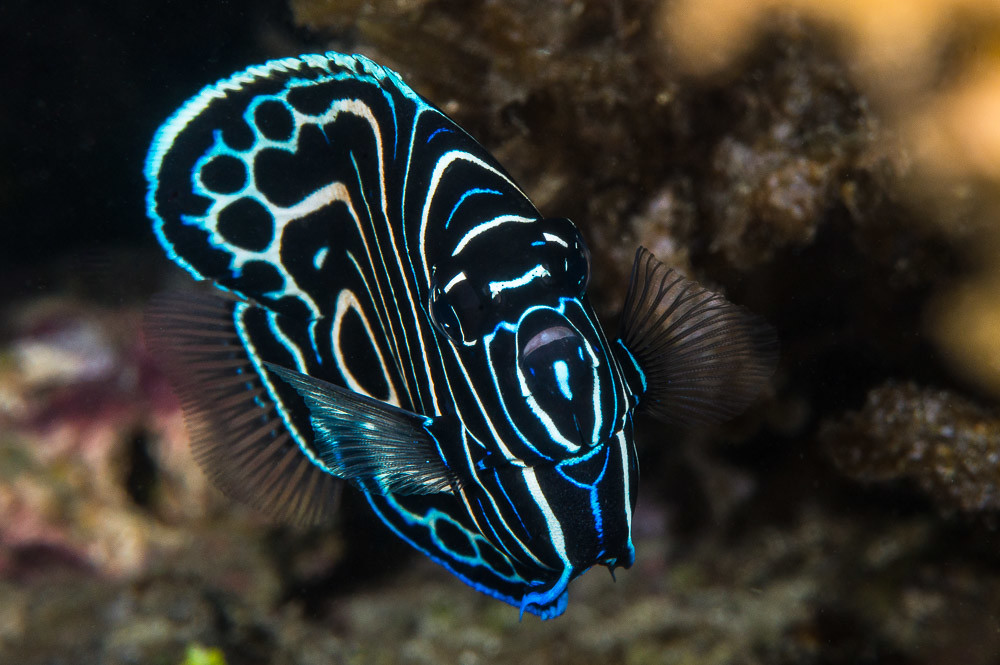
(701, 359)
(377, 446)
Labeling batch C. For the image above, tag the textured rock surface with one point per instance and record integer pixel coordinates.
(947, 444)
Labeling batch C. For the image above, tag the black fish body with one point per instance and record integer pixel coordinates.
(400, 316)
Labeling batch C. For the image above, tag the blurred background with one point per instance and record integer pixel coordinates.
(834, 166)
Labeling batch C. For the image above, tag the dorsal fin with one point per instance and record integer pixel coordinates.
(236, 434)
(703, 359)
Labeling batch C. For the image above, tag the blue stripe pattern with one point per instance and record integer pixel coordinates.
(372, 244)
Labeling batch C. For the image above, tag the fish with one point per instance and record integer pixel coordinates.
(388, 310)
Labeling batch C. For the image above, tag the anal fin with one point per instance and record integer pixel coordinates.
(237, 434)
(702, 358)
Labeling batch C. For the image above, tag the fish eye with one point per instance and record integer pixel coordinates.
(578, 263)
(443, 315)
(568, 257)
(457, 309)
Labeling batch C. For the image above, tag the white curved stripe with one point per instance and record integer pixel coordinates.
(347, 301)
(362, 110)
(595, 362)
(405, 256)
(252, 353)
(499, 545)
(623, 446)
(460, 277)
(439, 168)
(554, 434)
(471, 468)
(482, 228)
(526, 278)
(525, 392)
(377, 295)
(551, 237)
(290, 346)
(390, 335)
(555, 528)
(497, 439)
(397, 263)
(562, 378)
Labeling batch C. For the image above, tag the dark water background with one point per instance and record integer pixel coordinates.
(85, 85)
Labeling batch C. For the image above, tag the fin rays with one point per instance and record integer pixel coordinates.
(704, 358)
(380, 447)
(236, 433)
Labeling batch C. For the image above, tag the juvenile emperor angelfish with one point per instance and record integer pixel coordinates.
(392, 311)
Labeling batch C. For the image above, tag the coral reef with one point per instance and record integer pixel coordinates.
(87, 419)
(947, 444)
(931, 70)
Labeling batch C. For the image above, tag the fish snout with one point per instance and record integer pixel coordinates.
(558, 372)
